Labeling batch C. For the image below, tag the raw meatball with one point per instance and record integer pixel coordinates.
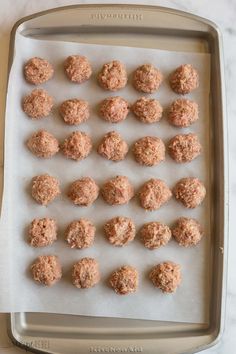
(77, 146)
(147, 110)
(187, 232)
(147, 78)
(183, 113)
(149, 151)
(114, 109)
(85, 273)
(74, 111)
(43, 144)
(42, 232)
(166, 276)
(113, 76)
(45, 189)
(153, 194)
(113, 147)
(37, 104)
(80, 234)
(184, 148)
(38, 71)
(83, 191)
(120, 231)
(77, 68)
(46, 270)
(124, 280)
(184, 79)
(118, 190)
(190, 192)
(155, 235)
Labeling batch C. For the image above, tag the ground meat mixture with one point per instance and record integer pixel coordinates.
(149, 151)
(114, 109)
(113, 76)
(83, 192)
(183, 113)
(85, 273)
(184, 148)
(46, 270)
(38, 104)
(184, 79)
(77, 68)
(77, 146)
(166, 276)
(43, 144)
(124, 280)
(80, 233)
(118, 190)
(190, 192)
(147, 110)
(187, 232)
(153, 194)
(74, 111)
(37, 71)
(113, 147)
(42, 232)
(155, 234)
(120, 230)
(147, 78)
(45, 189)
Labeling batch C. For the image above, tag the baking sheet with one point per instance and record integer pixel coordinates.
(189, 303)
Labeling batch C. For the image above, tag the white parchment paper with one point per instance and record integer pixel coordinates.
(19, 292)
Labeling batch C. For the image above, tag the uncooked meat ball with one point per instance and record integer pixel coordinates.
(155, 235)
(77, 68)
(166, 276)
(153, 194)
(46, 270)
(77, 146)
(118, 190)
(83, 191)
(38, 71)
(147, 78)
(187, 232)
(183, 113)
(124, 280)
(74, 111)
(184, 148)
(80, 233)
(147, 110)
(85, 273)
(45, 189)
(38, 104)
(43, 144)
(190, 192)
(113, 76)
(149, 151)
(113, 147)
(42, 232)
(120, 230)
(184, 79)
(114, 109)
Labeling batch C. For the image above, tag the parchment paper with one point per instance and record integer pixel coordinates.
(19, 292)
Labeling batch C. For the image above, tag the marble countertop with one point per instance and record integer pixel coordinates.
(223, 13)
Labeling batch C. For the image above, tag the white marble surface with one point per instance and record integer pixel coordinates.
(223, 12)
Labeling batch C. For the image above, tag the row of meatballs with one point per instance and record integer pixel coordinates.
(181, 113)
(148, 151)
(113, 75)
(119, 231)
(153, 194)
(85, 274)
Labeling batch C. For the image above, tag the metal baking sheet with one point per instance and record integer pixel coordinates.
(152, 27)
